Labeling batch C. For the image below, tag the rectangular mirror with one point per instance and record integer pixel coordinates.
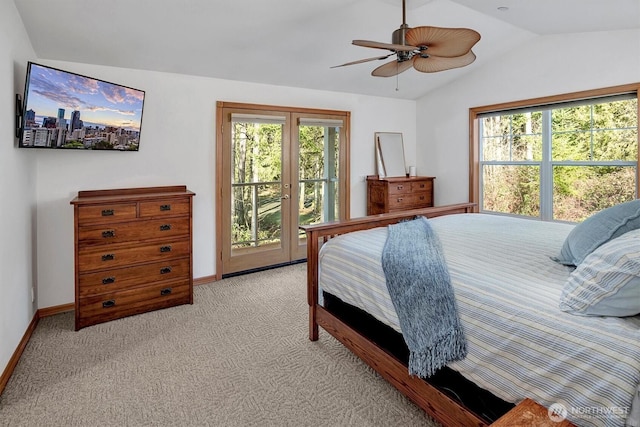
(390, 154)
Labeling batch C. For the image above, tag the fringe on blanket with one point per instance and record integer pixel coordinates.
(452, 347)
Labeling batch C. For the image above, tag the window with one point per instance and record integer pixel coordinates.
(560, 160)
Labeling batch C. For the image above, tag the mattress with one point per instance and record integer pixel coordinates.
(507, 288)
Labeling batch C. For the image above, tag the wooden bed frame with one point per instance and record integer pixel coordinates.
(438, 405)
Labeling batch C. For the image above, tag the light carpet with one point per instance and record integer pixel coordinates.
(239, 356)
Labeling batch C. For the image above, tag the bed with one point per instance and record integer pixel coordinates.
(520, 344)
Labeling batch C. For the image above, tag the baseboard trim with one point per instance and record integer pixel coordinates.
(56, 309)
(204, 280)
(15, 358)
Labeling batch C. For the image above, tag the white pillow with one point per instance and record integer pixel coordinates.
(607, 282)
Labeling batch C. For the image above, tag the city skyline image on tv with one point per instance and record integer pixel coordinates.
(71, 111)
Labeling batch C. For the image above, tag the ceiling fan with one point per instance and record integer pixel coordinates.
(427, 49)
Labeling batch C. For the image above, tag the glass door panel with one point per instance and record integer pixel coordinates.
(318, 184)
(318, 174)
(257, 216)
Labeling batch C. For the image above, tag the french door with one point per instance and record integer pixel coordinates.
(277, 168)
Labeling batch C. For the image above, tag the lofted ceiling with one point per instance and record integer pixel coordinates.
(295, 42)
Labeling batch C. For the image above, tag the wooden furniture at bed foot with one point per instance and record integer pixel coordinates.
(530, 414)
(132, 252)
(395, 194)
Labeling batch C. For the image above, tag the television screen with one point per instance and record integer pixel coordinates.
(69, 111)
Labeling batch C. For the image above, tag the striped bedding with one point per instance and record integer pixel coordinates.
(508, 289)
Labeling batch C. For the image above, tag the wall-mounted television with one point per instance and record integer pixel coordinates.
(65, 110)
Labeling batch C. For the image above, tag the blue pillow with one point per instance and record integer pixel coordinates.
(607, 282)
(599, 228)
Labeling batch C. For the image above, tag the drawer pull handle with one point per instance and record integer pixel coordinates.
(165, 248)
(108, 280)
(421, 197)
(165, 270)
(400, 199)
(400, 187)
(421, 185)
(165, 207)
(108, 304)
(108, 257)
(107, 212)
(165, 227)
(165, 291)
(108, 233)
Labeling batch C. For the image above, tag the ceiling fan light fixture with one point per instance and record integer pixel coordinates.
(448, 48)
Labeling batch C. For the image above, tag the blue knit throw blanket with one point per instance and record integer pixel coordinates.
(420, 289)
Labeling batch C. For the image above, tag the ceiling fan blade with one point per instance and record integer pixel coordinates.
(388, 46)
(360, 61)
(391, 68)
(444, 42)
(434, 63)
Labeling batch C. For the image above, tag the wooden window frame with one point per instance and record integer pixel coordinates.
(474, 147)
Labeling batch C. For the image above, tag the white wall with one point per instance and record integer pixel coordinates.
(177, 146)
(544, 66)
(17, 191)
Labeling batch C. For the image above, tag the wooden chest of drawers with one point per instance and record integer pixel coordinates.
(132, 252)
(393, 194)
